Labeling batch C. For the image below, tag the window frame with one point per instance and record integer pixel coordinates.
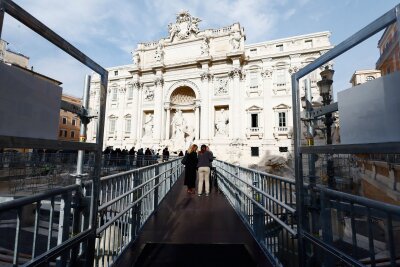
(255, 151)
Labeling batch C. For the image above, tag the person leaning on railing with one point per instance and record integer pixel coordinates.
(204, 162)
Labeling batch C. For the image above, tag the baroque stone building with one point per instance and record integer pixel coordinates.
(207, 87)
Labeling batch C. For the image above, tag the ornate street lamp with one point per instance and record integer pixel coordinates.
(325, 85)
(325, 90)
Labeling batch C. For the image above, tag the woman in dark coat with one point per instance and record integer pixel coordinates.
(190, 163)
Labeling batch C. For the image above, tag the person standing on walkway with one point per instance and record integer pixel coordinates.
(165, 154)
(190, 162)
(204, 163)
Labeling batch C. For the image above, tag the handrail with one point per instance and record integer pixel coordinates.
(17, 203)
(109, 203)
(386, 207)
(292, 231)
(259, 191)
(288, 180)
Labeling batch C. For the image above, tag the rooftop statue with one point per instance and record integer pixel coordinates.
(185, 26)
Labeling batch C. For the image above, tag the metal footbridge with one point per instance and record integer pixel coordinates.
(144, 217)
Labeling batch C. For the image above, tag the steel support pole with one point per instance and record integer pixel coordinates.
(84, 122)
(1, 17)
(300, 216)
(311, 173)
(97, 170)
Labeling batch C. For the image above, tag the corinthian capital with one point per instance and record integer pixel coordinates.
(293, 69)
(206, 76)
(137, 84)
(236, 73)
(159, 81)
(267, 73)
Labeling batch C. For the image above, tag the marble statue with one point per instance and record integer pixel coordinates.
(221, 125)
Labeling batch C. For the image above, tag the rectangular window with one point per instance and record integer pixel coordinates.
(64, 120)
(74, 122)
(255, 151)
(280, 76)
(254, 120)
(283, 149)
(114, 96)
(128, 125)
(65, 133)
(115, 73)
(280, 47)
(130, 92)
(308, 43)
(282, 119)
(253, 80)
(111, 128)
(72, 134)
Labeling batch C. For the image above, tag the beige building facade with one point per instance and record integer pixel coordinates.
(363, 76)
(208, 87)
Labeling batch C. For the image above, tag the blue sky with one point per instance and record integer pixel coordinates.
(108, 30)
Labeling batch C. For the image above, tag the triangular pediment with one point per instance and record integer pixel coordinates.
(254, 108)
(282, 106)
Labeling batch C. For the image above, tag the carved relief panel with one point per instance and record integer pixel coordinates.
(148, 94)
(221, 86)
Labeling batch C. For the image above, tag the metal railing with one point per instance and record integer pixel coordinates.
(266, 205)
(126, 201)
(54, 226)
(36, 229)
(337, 228)
(68, 244)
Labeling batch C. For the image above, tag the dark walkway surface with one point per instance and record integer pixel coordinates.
(188, 230)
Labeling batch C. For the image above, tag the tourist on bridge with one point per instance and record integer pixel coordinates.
(165, 154)
(204, 163)
(190, 162)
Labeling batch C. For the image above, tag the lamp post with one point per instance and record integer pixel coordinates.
(325, 89)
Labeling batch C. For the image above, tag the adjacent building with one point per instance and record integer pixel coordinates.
(11, 57)
(208, 87)
(69, 125)
(363, 76)
(389, 59)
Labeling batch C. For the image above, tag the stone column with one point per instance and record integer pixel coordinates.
(140, 112)
(269, 116)
(135, 115)
(205, 109)
(197, 120)
(158, 82)
(168, 120)
(235, 123)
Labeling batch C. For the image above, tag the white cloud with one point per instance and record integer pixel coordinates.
(289, 13)
(109, 31)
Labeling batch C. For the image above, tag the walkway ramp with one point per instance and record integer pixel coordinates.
(188, 230)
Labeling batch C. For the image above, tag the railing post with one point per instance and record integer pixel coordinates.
(77, 209)
(259, 221)
(156, 181)
(136, 210)
(326, 226)
(63, 226)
